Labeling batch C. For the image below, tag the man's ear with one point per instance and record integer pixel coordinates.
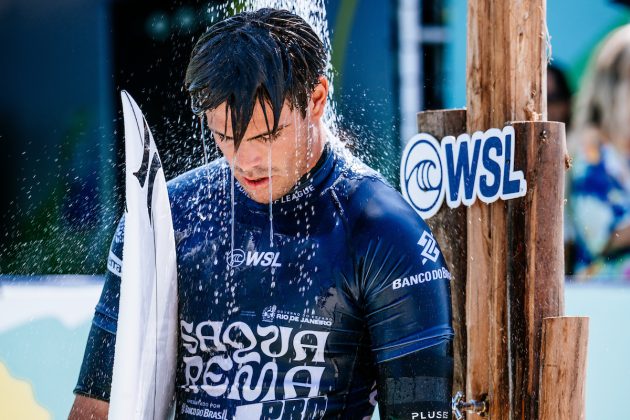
(319, 98)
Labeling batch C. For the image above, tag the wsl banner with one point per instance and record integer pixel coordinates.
(460, 170)
(145, 356)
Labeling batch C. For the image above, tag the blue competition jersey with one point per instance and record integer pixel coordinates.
(292, 315)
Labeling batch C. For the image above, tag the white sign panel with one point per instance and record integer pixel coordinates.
(460, 170)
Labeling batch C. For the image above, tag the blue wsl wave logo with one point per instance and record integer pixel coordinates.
(421, 176)
(460, 170)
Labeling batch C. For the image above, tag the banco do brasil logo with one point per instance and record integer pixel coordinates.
(421, 175)
(460, 170)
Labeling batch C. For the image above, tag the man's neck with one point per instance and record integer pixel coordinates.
(316, 147)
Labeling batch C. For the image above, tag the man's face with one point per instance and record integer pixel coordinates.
(267, 166)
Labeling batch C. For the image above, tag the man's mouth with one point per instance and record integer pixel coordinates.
(255, 182)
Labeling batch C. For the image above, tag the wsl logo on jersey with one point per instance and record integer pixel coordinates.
(237, 257)
(460, 170)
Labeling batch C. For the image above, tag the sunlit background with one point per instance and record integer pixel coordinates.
(63, 65)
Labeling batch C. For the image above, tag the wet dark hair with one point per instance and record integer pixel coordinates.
(267, 56)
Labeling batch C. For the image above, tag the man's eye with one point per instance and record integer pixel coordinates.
(220, 137)
(269, 138)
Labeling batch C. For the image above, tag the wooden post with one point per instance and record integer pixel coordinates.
(506, 81)
(535, 268)
(563, 368)
(449, 228)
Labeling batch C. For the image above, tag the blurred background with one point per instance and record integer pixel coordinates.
(64, 64)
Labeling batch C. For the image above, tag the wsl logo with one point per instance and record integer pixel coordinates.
(421, 175)
(237, 257)
(460, 170)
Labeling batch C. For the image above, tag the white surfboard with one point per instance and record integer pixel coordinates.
(146, 340)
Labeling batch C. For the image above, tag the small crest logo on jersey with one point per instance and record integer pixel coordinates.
(421, 175)
(269, 313)
(235, 258)
(430, 250)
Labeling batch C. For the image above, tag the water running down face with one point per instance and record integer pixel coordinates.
(285, 155)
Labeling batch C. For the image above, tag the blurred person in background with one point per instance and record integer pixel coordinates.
(599, 181)
(559, 97)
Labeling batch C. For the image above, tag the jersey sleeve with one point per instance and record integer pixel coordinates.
(404, 286)
(95, 377)
(403, 278)
(418, 385)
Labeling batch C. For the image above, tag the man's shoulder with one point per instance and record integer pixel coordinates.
(200, 180)
(354, 178)
(195, 189)
(368, 198)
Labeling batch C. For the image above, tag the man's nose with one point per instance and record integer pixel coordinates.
(251, 155)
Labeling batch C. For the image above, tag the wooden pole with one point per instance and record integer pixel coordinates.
(506, 81)
(563, 368)
(535, 268)
(449, 228)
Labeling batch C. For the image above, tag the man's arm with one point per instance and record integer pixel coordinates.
(94, 382)
(406, 293)
(88, 408)
(418, 385)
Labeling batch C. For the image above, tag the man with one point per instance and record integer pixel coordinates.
(308, 288)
